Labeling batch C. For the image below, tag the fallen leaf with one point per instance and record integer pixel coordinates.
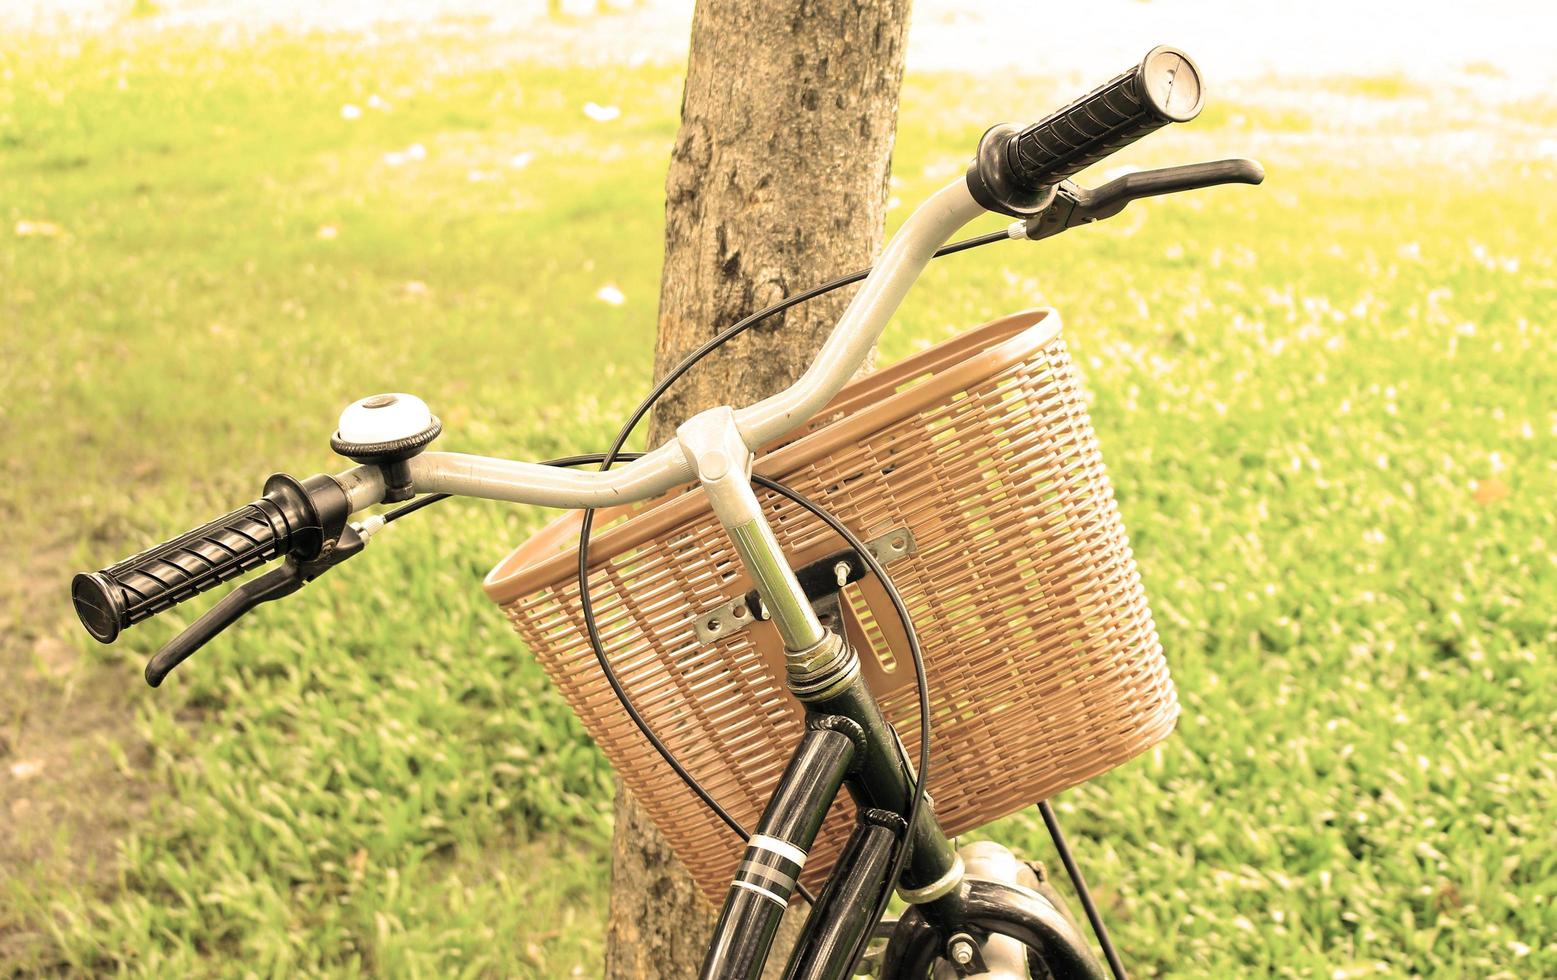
(1489, 491)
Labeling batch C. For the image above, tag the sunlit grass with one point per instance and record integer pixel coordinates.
(1325, 402)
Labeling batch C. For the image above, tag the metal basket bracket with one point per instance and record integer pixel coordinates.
(821, 577)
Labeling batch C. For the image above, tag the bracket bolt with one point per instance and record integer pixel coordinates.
(961, 952)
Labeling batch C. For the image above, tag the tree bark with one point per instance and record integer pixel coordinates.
(777, 182)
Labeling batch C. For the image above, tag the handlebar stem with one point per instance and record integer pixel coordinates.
(723, 464)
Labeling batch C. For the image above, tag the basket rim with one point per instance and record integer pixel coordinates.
(992, 347)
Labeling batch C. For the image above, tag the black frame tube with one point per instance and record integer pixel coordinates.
(879, 776)
(876, 770)
(849, 743)
(775, 855)
(885, 781)
(842, 921)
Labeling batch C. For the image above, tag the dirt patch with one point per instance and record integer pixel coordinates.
(71, 764)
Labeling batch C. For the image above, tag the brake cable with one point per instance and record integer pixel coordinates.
(586, 601)
(615, 454)
(921, 682)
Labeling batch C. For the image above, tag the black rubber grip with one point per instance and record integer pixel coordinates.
(285, 520)
(1165, 87)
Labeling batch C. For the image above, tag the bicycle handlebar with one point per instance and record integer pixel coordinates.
(293, 517)
(1012, 174)
(1163, 88)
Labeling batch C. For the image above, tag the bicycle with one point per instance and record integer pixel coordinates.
(974, 911)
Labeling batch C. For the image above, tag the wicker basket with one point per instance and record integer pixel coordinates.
(1043, 662)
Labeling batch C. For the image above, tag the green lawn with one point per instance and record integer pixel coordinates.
(1327, 405)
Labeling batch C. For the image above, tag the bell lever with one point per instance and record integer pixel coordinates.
(1076, 205)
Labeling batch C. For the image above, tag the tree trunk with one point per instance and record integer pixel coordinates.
(777, 182)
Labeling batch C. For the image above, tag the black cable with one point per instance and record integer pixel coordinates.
(986, 239)
(615, 454)
(1098, 929)
(746, 323)
(412, 507)
(740, 327)
(586, 602)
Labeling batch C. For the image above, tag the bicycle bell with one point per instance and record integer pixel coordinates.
(386, 431)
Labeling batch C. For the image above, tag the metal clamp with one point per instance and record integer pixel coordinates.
(735, 615)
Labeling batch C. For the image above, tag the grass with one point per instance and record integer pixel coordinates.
(1326, 405)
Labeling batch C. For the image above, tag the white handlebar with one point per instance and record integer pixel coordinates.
(550, 486)
(846, 348)
(842, 354)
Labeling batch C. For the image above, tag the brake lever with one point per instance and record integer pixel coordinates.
(1075, 205)
(274, 584)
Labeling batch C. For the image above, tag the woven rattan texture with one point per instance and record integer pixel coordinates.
(1043, 662)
